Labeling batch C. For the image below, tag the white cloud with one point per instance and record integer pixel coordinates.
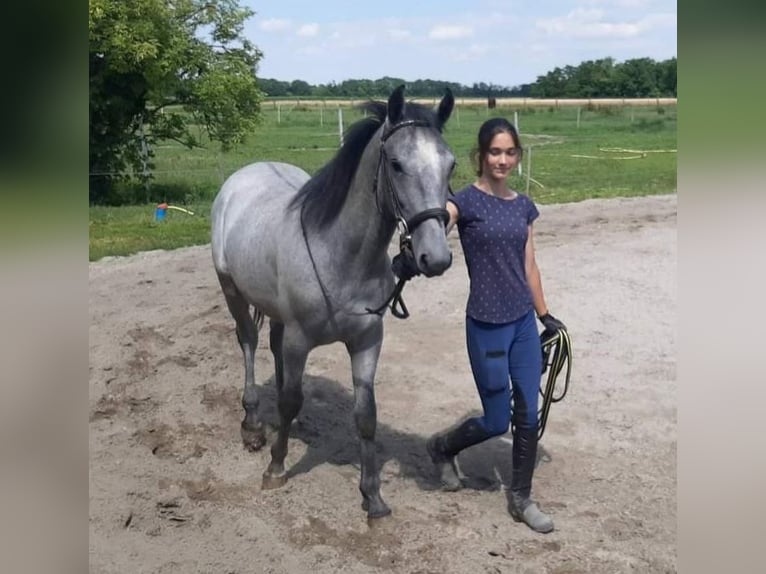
(308, 30)
(661, 20)
(447, 32)
(473, 52)
(275, 25)
(478, 49)
(499, 19)
(345, 38)
(311, 50)
(591, 23)
(399, 34)
(538, 49)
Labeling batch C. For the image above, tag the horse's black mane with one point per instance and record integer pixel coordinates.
(322, 197)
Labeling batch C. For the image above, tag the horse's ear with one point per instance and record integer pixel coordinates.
(445, 107)
(396, 105)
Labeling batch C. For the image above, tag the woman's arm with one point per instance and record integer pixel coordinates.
(533, 275)
(453, 216)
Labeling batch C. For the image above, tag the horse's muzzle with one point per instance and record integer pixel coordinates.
(432, 266)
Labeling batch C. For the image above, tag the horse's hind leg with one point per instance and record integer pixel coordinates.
(276, 332)
(290, 350)
(253, 435)
(364, 360)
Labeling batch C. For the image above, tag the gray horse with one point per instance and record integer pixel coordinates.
(311, 254)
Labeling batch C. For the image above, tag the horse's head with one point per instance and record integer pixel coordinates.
(414, 171)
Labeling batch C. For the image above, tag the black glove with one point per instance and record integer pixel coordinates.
(404, 266)
(551, 323)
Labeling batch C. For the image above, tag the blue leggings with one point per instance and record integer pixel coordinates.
(497, 351)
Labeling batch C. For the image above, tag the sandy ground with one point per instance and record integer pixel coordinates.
(173, 490)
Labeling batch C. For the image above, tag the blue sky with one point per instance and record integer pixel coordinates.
(503, 42)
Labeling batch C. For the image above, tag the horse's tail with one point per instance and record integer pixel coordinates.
(258, 317)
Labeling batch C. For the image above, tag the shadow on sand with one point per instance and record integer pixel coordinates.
(326, 425)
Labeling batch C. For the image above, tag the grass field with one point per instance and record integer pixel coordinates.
(568, 163)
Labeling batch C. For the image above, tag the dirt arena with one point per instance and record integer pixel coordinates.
(173, 491)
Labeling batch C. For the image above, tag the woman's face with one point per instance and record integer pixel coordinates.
(501, 158)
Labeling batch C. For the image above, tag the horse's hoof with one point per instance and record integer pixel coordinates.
(253, 439)
(271, 481)
(377, 516)
(379, 510)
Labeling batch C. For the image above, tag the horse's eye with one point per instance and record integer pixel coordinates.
(396, 164)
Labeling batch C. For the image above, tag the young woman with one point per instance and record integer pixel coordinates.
(495, 226)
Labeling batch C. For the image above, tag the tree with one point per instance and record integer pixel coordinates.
(158, 69)
(271, 87)
(637, 78)
(592, 79)
(300, 88)
(551, 85)
(667, 77)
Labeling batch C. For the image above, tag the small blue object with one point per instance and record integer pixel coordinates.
(160, 211)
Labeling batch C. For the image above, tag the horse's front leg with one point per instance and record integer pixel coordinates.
(364, 361)
(291, 353)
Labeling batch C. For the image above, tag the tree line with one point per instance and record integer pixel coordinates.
(604, 78)
(183, 70)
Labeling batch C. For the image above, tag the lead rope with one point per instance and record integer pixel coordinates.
(398, 307)
(558, 349)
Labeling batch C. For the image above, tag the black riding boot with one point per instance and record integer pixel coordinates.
(522, 507)
(443, 447)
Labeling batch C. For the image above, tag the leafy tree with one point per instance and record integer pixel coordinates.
(551, 85)
(637, 78)
(384, 86)
(667, 79)
(593, 79)
(158, 70)
(326, 90)
(300, 88)
(274, 88)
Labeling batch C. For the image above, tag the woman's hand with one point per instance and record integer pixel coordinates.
(551, 323)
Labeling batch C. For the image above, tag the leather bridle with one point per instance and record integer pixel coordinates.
(407, 226)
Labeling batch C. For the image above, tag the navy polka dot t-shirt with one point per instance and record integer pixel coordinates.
(493, 233)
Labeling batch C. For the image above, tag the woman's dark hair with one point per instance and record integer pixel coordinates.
(489, 130)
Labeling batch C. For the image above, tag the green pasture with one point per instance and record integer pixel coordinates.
(568, 163)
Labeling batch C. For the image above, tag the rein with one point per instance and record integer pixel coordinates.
(398, 308)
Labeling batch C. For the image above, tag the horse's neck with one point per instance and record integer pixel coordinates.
(360, 227)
